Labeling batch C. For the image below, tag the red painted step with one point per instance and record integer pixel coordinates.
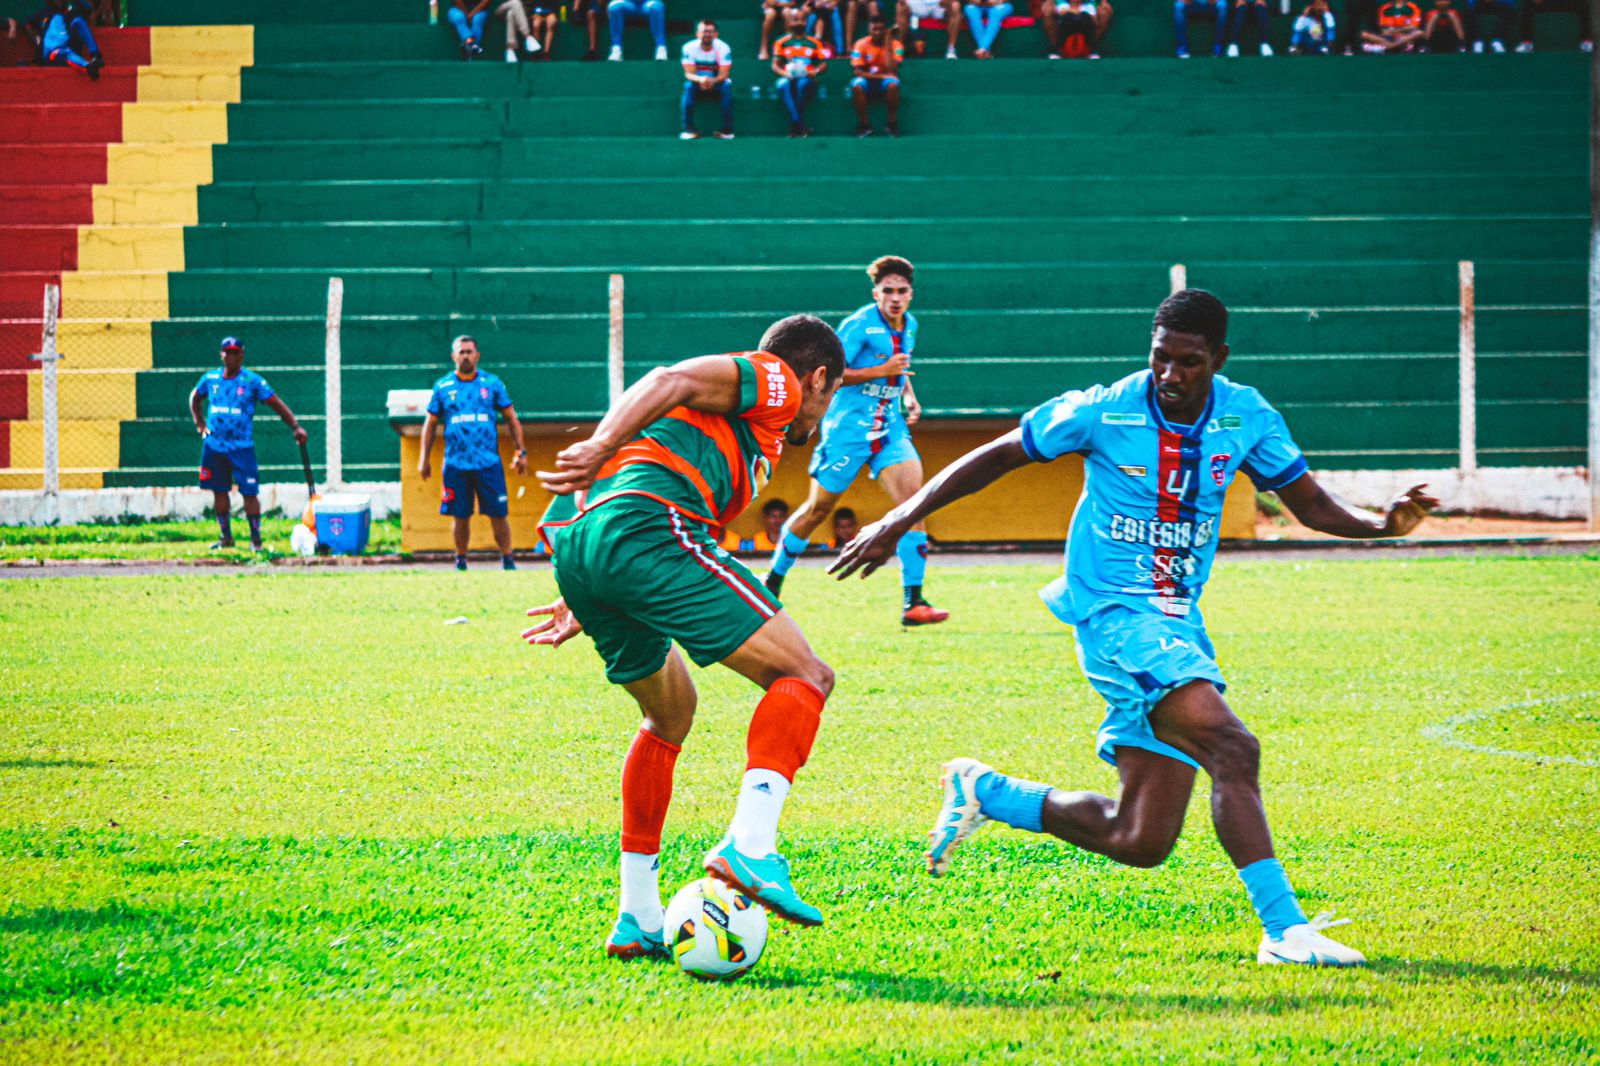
(47, 204)
(74, 164)
(129, 47)
(60, 123)
(5, 443)
(38, 247)
(59, 85)
(22, 292)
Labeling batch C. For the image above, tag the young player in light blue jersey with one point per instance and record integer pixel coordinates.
(1160, 448)
(869, 425)
(223, 406)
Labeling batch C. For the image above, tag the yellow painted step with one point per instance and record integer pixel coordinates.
(34, 479)
(218, 84)
(145, 205)
(170, 123)
(189, 46)
(133, 294)
(152, 164)
(105, 345)
(83, 395)
(85, 445)
(130, 248)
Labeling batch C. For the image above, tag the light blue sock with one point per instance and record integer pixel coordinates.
(1271, 896)
(1012, 800)
(913, 555)
(790, 548)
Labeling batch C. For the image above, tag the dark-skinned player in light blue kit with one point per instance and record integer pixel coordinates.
(1160, 448)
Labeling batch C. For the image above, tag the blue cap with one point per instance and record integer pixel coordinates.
(232, 344)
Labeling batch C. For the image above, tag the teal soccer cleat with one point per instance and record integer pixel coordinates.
(765, 880)
(628, 941)
(959, 816)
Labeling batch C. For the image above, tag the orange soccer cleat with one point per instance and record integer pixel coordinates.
(923, 614)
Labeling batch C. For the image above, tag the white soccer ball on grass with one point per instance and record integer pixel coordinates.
(714, 932)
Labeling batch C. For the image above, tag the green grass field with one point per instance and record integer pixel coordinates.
(292, 817)
(163, 540)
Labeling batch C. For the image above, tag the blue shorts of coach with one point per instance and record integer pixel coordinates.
(1133, 659)
(219, 470)
(486, 485)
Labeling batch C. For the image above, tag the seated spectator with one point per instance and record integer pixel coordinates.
(61, 32)
(1478, 12)
(1184, 10)
(589, 14)
(876, 60)
(774, 513)
(1579, 8)
(845, 527)
(773, 12)
(707, 70)
(911, 13)
(1313, 33)
(1399, 28)
(1078, 23)
(984, 19)
(1442, 30)
(1359, 17)
(469, 17)
(826, 14)
(519, 30)
(797, 60)
(1248, 11)
(652, 11)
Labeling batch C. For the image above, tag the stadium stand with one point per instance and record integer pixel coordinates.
(1327, 200)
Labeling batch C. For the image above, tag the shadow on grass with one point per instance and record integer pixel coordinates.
(78, 919)
(46, 764)
(1434, 971)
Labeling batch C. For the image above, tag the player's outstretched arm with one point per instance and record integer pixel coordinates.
(1321, 510)
(980, 467)
(708, 383)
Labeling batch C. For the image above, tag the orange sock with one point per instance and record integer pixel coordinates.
(646, 791)
(784, 727)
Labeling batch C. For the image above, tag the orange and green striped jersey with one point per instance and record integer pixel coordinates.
(801, 54)
(707, 466)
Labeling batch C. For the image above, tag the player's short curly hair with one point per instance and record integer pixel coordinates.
(1194, 311)
(805, 342)
(885, 265)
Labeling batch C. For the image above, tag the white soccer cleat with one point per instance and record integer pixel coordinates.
(1304, 945)
(616, 54)
(959, 816)
(661, 54)
(1266, 49)
(1233, 51)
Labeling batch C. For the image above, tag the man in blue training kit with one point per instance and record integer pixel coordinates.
(1160, 448)
(469, 402)
(223, 406)
(866, 426)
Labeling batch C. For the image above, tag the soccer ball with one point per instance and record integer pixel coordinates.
(715, 933)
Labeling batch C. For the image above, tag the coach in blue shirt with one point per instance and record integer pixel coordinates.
(468, 402)
(223, 406)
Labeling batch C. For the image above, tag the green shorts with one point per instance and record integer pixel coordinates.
(639, 575)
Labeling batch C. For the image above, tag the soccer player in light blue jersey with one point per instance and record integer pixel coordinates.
(869, 425)
(223, 406)
(1160, 448)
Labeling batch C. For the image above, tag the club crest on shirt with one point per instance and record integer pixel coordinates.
(483, 392)
(239, 391)
(1219, 468)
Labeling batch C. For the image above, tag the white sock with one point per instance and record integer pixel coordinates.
(755, 819)
(641, 889)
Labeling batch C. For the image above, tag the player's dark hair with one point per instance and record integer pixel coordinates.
(885, 265)
(1194, 311)
(706, 22)
(805, 342)
(775, 505)
(844, 512)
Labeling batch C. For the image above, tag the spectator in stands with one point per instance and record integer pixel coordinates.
(707, 70)
(652, 11)
(876, 60)
(984, 21)
(774, 513)
(1248, 11)
(1478, 13)
(1399, 28)
(826, 12)
(1360, 16)
(845, 527)
(588, 13)
(1580, 8)
(1215, 10)
(63, 37)
(797, 60)
(470, 402)
(1314, 32)
(223, 406)
(519, 30)
(1078, 24)
(1442, 29)
(910, 14)
(773, 12)
(469, 17)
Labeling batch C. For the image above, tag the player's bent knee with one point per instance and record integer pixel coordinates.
(1143, 850)
(816, 673)
(1234, 753)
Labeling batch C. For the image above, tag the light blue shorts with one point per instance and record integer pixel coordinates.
(835, 467)
(1133, 659)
